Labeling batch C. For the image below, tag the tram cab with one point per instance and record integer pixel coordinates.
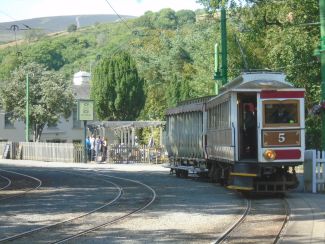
(265, 132)
(271, 120)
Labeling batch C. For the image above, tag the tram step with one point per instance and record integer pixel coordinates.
(240, 188)
(242, 174)
(241, 181)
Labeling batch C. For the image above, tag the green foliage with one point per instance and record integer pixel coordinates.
(166, 19)
(174, 54)
(50, 96)
(313, 132)
(33, 35)
(185, 17)
(72, 28)
(8, 63)
(117, 89)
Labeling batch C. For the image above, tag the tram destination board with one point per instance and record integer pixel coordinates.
(85, 110)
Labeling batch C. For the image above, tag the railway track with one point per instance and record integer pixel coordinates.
(6, 180)
(18, 184)
(262, 221)
(49, 233)
(124, 216)
(47, 227)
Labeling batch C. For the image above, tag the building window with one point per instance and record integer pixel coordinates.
(8, 122)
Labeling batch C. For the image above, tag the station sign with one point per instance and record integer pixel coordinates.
(86, 110)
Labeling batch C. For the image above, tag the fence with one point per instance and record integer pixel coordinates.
(69, 152)
(129, 154)
(9, 149)
(41, 151)
(314, 178)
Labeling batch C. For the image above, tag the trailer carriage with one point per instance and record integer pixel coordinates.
(250, 137)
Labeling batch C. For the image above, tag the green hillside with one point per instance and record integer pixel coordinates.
(174, 50)
(52, 24)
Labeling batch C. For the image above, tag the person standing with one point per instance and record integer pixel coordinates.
(104, 148)
(88, 148)
(98, 146)
(92, 147)
(249, 131)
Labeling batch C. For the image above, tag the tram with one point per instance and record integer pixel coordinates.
(250, 137)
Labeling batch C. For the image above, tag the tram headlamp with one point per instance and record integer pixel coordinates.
(269, 154)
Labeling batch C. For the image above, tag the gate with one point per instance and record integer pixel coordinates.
(314, 177)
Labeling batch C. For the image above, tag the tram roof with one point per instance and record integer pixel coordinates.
(191, 105)
(258, 80)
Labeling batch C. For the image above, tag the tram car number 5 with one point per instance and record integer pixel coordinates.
(281, 138)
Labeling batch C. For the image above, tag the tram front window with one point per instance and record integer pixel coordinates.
(284, 114)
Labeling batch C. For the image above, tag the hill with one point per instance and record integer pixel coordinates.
(174, 52)
(52, 24)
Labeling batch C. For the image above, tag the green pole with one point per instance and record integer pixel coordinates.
(217, 75)
(223, 75)
(27, 110)
(224, 66)
(85, 145)
(322, 56)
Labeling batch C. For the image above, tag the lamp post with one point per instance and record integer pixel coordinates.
(27, 110)
(221, 75)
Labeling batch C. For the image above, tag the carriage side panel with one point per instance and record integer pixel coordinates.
(186, 132)
(220, 129)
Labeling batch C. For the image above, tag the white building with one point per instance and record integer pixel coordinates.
(66, 130)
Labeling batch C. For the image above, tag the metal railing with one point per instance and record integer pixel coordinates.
(54, 152)
(43, 151)
(129, 154)
(69, 152)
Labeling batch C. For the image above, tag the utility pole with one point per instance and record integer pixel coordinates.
(27, 110)
(223, 75)
(224, 55)
(322, 57)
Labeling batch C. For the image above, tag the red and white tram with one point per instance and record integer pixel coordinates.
(250, 137)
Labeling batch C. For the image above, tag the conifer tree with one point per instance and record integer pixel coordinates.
(117, 88)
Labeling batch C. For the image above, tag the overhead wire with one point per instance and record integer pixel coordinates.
(1, 11)
(122, 19)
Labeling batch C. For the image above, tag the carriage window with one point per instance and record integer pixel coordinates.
(281, 113)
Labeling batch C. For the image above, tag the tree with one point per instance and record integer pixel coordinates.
(167, 19)
(147, 20)
(117, 89)
(185, 17)
(48, 53)
(50, 97)
(72, 28)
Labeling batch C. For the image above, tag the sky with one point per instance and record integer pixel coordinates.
(11, 10)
